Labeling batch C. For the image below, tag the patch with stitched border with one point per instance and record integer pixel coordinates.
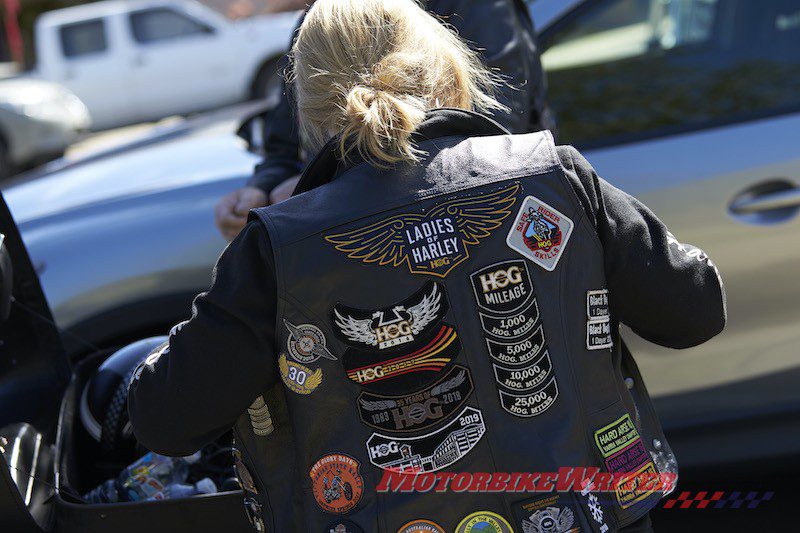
(432, 242)
(399, 372)
(306, 343)
(526, 378)
(299, 378)
(598, 320)
(392, 327)
(520, 352)
(540, 233)
(431, 451)
(421, 526)
(513, 326)
(615, 436)
(419, 410)
(482, 521)
(503, 287)
(532, 404)
(336, 483)
(549, 514)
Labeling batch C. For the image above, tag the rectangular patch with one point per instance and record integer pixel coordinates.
(540, 233)
(628, 459)
(598, 334)
(597, 304)
(631, 489)
(615, 436)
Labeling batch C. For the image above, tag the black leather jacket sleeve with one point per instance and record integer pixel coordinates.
(501, 30)
(667, 292)
(218, 361)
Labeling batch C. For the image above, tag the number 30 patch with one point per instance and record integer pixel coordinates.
(299, 378)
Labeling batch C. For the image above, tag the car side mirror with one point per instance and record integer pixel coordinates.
(6, 280)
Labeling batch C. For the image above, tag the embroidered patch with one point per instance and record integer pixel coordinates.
(299, 378)
(529, 405)
(598, 321)
(307, 343)
(484, 521)
(406, 371)
(595, 508)
(430, 452)
(337, 483)
(421, 526)
(540, 233)
(260, 419)
(634, 488)
(391, 327)
(434, 242)
(517, 353)
(548, 514)
(419, 410)
(503, 288)
(615, 436)
(526, 378)
(514, 326)
(343, 526)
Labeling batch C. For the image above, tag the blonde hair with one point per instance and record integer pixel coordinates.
(370, 69)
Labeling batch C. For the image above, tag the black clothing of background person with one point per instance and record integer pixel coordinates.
(502, 30)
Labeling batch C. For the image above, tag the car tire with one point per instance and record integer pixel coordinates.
(267, 80)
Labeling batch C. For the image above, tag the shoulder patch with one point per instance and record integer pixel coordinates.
(540, 233)
(432, 242)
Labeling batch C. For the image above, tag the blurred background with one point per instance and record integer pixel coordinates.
(122, 123)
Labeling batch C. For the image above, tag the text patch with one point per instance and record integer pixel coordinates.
(540, 233)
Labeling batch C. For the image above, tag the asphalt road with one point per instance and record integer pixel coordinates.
(779, 513)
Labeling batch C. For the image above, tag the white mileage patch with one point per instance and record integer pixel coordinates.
(533, 404)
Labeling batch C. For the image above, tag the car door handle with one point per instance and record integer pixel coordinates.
(768, 201)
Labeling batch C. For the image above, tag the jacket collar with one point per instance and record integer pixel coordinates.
(327, 165)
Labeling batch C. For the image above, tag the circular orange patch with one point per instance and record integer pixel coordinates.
(337, 483)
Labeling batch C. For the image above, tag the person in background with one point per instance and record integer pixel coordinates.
(439, 297)
(500, 30)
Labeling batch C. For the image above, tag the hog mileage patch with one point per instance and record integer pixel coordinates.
(540, 233)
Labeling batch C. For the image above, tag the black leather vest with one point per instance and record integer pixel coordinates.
(445, 317)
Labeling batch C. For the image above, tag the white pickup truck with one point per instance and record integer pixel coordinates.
(136, 60)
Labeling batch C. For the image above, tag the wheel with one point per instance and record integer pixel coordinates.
(267, 80)
(348, 491)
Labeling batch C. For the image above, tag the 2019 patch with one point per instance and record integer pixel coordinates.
(526, 378)
(299, 378)
(395, 326)
(430, 452)
(433, 242)
(397, 373)
(419, 410)
(530, 405)
(421, 526)
(548, 514)
(520, 352)
(337, 483)
(482, 521)
(307, 343)
(540, 233)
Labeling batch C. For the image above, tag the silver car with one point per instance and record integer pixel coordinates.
(691, 105)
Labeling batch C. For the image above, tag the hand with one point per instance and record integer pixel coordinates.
(283, 191)
(230, 213)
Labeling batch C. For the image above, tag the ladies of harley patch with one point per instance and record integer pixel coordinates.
(540, 233)
(433, 242)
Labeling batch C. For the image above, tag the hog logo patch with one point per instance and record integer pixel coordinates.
(540, 233)
(433, 242)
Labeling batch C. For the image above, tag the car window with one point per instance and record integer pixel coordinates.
(162, 24)
(83, 38)
(630, 69)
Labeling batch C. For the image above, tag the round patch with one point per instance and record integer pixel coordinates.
(343, 526)
(484, 522)
(337, 483)
(307, 343)
(421, 526)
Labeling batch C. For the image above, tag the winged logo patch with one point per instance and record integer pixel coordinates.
(394, 326)
(299, 378)
(433, 242)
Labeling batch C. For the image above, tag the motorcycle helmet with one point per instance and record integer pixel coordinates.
(104, 401)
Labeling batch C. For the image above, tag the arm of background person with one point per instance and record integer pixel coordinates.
(667, 292)
(191, 391)
(502, 31)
